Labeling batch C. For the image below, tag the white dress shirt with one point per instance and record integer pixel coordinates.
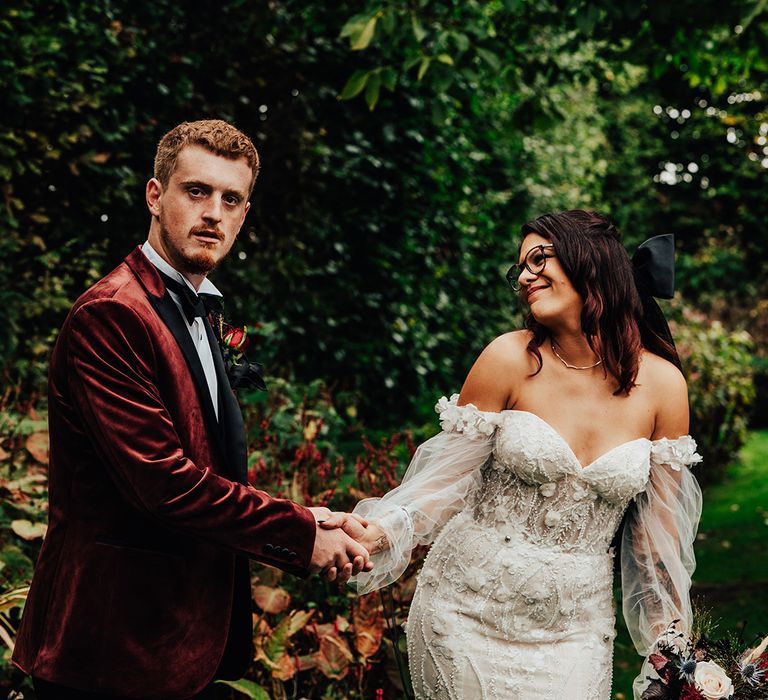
(196, 328)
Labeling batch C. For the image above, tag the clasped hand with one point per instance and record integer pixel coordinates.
(344, 544)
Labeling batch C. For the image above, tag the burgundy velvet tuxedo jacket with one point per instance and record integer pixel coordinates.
(141, 588)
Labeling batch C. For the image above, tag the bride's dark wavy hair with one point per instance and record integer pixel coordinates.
(590, 251)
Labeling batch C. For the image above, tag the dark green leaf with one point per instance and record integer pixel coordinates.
(372, 89)
(587, 18)
(389, 78)
(424, 66)
(355, 84)
(418, 31)
(247, 688)
(489, 57)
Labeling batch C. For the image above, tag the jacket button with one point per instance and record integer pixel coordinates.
(269, 547)
(292, 555)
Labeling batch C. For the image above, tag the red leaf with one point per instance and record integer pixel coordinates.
(368, 619)
(37, 446)
(334, 656)
(271, 600)
(658, 661)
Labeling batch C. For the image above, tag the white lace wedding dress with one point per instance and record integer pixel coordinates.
(515, 597)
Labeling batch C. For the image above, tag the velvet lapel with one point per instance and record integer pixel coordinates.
(230, 417)
(166, 308)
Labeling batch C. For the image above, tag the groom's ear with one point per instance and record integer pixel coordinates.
(242, 219)
(154, 192)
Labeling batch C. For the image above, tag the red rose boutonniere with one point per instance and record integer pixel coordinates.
(233, 341)
(236, 339)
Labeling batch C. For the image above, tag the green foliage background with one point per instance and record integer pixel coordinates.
(381, 225)
(403, 144)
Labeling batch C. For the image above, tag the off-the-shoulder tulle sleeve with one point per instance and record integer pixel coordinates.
(443, 472)
(657, 559)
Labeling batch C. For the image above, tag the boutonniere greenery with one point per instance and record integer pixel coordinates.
(233, 342)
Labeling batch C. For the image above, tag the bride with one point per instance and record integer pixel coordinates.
(562, 434)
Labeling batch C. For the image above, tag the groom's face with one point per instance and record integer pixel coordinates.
(201, 210)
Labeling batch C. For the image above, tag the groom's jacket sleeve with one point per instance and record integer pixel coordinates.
(114, 359)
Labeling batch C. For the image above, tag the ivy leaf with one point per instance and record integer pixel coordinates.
(355, 84)
(445, 58)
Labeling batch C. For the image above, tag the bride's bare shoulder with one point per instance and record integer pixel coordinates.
(492, 381)
(668, 393)
(657, 373)
(509, 348)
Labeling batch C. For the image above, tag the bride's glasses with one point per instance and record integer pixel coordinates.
(535, 261)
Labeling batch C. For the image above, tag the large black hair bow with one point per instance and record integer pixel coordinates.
(654, 266)
(654, 269)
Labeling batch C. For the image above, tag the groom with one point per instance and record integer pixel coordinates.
(142, 589)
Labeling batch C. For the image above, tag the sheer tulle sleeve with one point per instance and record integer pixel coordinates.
(657, 558)
(444, 471)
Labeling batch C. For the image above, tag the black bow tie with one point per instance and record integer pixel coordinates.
(193, 305)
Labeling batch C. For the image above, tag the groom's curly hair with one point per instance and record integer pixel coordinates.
(215, 135)
(589, 248)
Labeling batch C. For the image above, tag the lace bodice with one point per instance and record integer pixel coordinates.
(518, 478)
(521, 534)
(535, 488)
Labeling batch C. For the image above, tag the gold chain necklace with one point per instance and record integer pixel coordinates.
(569, 366)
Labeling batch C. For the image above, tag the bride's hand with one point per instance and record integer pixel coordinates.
(369, 534)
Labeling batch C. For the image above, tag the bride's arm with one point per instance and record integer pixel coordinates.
(657, 559)
(444, 471)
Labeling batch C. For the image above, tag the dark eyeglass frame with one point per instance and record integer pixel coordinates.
(514, 272)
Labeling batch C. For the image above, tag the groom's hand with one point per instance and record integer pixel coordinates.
(369, 534)
(337, 555)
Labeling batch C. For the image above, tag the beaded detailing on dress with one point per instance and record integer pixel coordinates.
(515, 597)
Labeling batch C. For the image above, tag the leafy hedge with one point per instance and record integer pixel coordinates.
(719, 368)
(377, 240)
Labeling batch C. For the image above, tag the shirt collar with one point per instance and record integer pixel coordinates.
(207, 287)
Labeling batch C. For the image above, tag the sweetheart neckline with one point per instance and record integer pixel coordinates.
(567, 444)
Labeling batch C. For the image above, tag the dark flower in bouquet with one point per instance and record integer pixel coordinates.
(233, 341)
(700, 668)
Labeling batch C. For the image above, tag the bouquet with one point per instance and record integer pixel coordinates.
(698, 668)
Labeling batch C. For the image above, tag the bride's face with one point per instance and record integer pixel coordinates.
(549, 293)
